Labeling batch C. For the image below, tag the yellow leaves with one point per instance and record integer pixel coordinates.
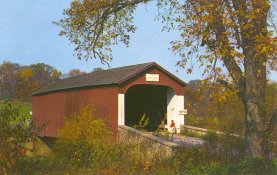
(217, 69)
(222, 94)
(177, 46)
(226, 21)
(55, 74)
(84, 125)
(259, 72)
(25, 73)
(198, 9)
(263, 49)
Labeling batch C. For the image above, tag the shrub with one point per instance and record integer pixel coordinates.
(219, 155)
(84, 141)
(138, 159)
(200, 161)
(194, 120)
(15, 131)
(225, 148)
(257, 166)
(143, 123)
(190, 133)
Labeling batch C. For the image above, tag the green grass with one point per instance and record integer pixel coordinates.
(24, 107)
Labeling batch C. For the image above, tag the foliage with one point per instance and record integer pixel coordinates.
(119, 159)
(86, 145)
(219, 155)
(84, 140)
(226, 116)
(257, 166)
(94, 26)
(110, 26)
(190, 133)
(15, 131)
(73, 72)
(33, 77)
(143, 123)
(18, 81)
(8, 79)
(24, 108)
(47, 165)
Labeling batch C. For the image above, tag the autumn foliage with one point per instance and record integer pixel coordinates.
(15, 132)
(19, 82)
(84, 139)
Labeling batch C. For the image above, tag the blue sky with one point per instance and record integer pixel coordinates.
(28, 36)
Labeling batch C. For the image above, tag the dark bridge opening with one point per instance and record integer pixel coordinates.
(146, 100)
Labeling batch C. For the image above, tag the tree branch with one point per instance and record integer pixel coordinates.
(226, 84)
(229, 59)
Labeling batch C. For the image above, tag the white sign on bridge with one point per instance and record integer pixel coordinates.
(152, 77)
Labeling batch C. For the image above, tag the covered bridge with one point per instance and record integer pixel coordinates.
(120, 95)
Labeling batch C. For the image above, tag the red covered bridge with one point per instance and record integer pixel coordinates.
(120, 95)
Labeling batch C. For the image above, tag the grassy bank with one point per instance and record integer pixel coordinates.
(24, 107)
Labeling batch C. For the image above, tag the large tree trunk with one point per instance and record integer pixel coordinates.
(255, 80)
(255, 83)
(252, 93)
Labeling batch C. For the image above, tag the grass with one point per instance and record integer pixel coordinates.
(201, 160)
(24, 107)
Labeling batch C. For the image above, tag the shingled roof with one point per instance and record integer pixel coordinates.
(102, 77)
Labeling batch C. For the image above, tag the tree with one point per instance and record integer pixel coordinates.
(8, 79)
(97, 69)
(23, 82)
(43, 74)
(229, 33)
(15, 131)
(73, 72)
(18, 81)
(33, 77)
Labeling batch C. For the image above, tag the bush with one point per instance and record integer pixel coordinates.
(85, 145)
(225, 148)
(143, 123)
(15, 131)
(84, 141)
(219, 155)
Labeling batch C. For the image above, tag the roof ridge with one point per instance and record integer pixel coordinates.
(136, 72)
(111, 69)
(82, 75)
(129, 66)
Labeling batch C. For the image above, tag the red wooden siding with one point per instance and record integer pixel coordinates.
(54, 107)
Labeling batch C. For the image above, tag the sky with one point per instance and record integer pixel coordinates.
(28, 36)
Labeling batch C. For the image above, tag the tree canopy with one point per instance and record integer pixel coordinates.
(95, 26)
(17, 81)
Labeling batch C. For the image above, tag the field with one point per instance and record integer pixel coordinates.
(24, 107)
